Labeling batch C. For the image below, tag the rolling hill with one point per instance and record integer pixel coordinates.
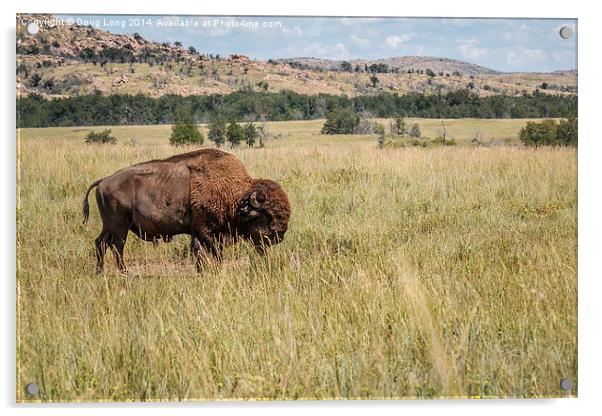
(63, 61)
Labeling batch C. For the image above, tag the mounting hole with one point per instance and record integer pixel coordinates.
(32, 389)
(566, 384)
(566, 32)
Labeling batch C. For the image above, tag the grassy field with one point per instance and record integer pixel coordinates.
(437, 272)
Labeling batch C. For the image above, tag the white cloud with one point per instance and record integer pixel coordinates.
(393, 42)
(523, 57)
(295, 30)
(363, 43)
(469, 49)
(316, 28)
(343, 53)
(558, 56)
(319, 50)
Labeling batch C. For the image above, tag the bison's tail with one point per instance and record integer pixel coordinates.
(86, 207)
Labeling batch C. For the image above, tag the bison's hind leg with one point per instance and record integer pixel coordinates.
(102, 242)
(114, 240)
(117, 244)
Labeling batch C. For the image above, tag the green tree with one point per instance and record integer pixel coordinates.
(185, 131)
(234, 134)
(341, 121)
(430, 72)
(250, 133)
(539, 134)
(217, 130)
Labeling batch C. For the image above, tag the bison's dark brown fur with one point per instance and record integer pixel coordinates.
(207, 194)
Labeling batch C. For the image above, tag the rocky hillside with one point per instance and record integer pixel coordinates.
(66, 60)
(399, 64)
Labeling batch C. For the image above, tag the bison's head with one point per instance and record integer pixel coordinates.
(263, 213)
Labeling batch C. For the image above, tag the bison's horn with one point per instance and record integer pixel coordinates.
(253, 200)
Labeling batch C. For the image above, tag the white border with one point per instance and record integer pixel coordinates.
(590, 346)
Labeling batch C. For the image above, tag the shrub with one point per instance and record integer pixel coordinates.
(88, 54)
(341, 121)
(415, 131)
(420, 143)
(346, 66)
(374, 80)
(263, 85)
(48, 84)
(35, 79)
(183, 133)
(102, 137)
(443, 141)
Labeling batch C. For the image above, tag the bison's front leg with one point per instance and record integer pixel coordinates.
(202, 249)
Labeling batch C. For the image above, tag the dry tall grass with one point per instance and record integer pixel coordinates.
(405, 273)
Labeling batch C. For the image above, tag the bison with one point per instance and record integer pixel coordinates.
(206, 194)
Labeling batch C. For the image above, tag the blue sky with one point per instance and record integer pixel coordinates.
(503, 44)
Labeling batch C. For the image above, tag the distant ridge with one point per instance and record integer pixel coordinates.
(417, 63)
(572, 72)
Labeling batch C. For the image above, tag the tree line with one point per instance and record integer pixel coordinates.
(248, 105)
